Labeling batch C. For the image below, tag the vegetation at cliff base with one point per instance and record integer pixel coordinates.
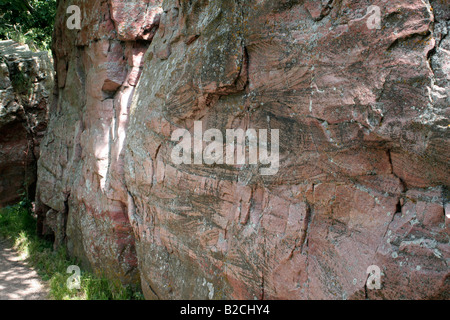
(19, 226)
(28, 22)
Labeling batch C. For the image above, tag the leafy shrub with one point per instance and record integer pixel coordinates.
(28, 22)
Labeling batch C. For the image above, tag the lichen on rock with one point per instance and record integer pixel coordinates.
(26, 83)
(362, 113)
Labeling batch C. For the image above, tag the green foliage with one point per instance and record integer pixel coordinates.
(28, 22)
(22, 82)
(15, 221)
(18, 225)
(92, 288)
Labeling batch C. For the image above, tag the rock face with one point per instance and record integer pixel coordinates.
(82, 196)
(26, 80)
(361, 105)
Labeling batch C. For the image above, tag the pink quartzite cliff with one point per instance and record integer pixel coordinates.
(364, 165)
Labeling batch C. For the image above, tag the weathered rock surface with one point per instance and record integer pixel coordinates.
(364, 166)
(81, 192)
(26, 80)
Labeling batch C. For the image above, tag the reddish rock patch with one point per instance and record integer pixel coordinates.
(364, 167)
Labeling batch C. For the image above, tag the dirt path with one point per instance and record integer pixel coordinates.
(17, 280)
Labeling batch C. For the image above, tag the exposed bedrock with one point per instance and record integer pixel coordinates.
(26, 80)
(81, 191)
(364, 171)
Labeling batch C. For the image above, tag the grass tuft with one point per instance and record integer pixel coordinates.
(18, 225)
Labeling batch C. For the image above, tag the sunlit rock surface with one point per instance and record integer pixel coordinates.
(81, 183)
(364, 165)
